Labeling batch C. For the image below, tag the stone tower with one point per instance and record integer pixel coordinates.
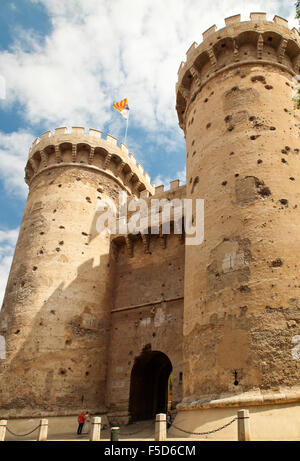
(242, 285)
(56, 311)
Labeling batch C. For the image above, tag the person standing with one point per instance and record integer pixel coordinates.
(80, 419)
(86, 426)
(169, 419)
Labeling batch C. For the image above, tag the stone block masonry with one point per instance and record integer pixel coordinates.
(124, 326)
(234, 103)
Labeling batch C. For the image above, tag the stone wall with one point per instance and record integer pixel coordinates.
(147, 315)
(55, 320)
(241, 314)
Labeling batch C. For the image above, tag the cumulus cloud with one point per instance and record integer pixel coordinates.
(13, 155)
(8, 240)
(99, 51)
(165, 179)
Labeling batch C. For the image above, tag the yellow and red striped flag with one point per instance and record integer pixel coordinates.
(122, 107)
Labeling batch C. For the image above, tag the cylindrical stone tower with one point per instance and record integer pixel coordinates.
(55, 319)
(242, 287)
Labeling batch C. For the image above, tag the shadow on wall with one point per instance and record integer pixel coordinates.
(60, 363)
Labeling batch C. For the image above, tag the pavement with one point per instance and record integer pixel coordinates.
(139, 431)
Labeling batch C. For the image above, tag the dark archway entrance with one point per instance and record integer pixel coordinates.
(149, 385)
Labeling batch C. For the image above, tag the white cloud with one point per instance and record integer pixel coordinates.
(97, 52)
(100, 51)
(13, 155)
(8, 240)
(165, 179)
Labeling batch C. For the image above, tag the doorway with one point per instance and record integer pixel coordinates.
(149, 385)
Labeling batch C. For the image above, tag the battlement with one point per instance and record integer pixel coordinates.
(238, 43)
(175, 191)
(87, 149)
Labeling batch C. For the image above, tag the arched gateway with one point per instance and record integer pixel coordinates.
(149, 385)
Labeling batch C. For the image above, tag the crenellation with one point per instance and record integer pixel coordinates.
(235, 38)
(174, 184)
(174, 188)
(182, 65)
(258, 17)
(124, 148)
(132, 158)
(77, 130)
(233, 24)
(111, 139)
(147, 177)
(100, 318)
(89, 142)
(191, 50)
(159, 189)
(95, 133)
(140, 168)
(232, 19)
(35, 142)
(61, 130)
(281, 21)
(46, 134)
(209, 32)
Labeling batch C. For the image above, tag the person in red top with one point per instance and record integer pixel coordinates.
(81, 419)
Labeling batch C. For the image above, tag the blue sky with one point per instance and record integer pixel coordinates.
(64, 63)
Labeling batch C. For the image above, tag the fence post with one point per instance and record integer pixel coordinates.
(3, 423)
(43, 430)
(95, 429)
(114, 434)
(160, 427)
(243, 426)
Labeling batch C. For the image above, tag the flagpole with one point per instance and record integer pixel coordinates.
(126, 129)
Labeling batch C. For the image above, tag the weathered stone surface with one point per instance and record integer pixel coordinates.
(83, 312)
(240, 324)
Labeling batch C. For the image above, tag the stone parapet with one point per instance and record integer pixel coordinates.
(176, 192)
(87, 150)
(257, 40)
